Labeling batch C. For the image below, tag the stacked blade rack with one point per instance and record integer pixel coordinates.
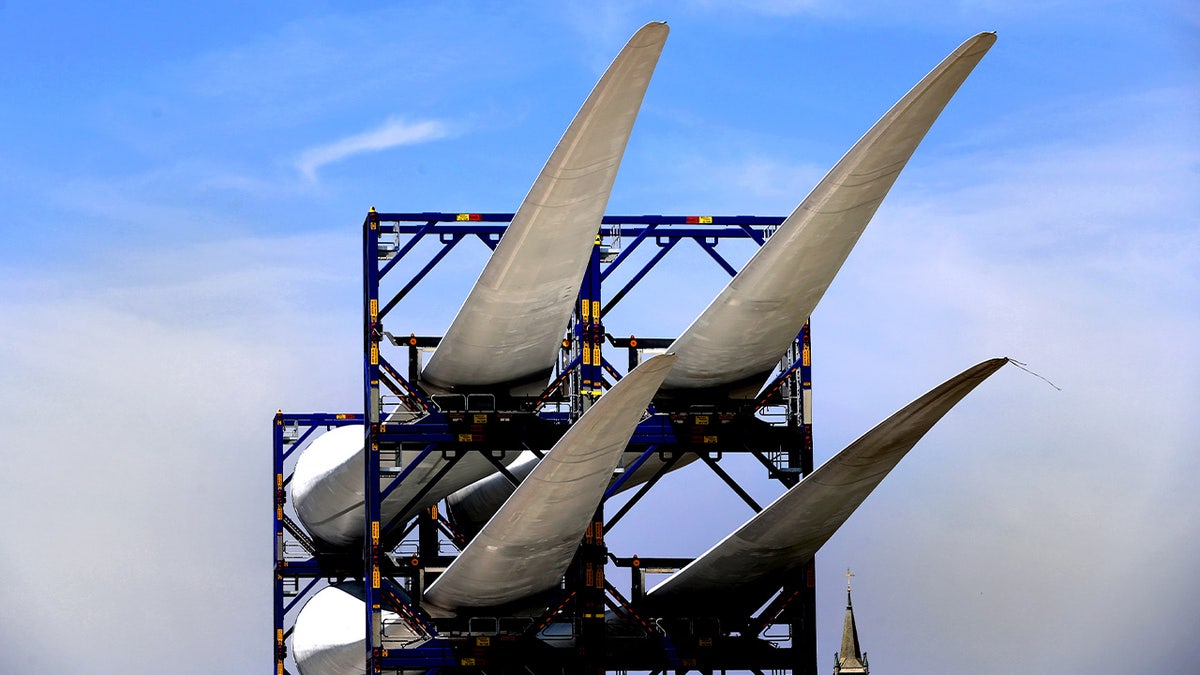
(501, 645)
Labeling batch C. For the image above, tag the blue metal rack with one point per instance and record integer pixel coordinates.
(784, 448)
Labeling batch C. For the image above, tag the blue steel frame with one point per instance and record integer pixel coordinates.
(588, 366)
(307, 570)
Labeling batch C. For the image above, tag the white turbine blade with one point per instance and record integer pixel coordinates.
(329, 636)
(743, 333)
(511, 323)
(741, 572)
(526, 547)
(471, 507)
(513, 319)
(327, 484)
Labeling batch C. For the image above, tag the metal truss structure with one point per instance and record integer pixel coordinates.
(400, 558)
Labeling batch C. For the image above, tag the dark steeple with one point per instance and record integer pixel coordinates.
(851, 659)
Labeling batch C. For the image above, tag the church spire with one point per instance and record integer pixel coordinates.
(851, 659)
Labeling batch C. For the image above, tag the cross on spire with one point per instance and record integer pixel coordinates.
(851, 660)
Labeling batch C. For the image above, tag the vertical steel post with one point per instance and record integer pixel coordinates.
(280, 498)
(589, 333)
(372, 332)
(587, 578)
(804, 631)
(597, 328)
(806, 400)
(590, 599)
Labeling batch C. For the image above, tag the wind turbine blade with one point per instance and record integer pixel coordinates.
(526, 547)
(327, 484)
(329, 636)
(326, 638)
(781, 285)
(741, 573)
(512, 321)
(471, 507)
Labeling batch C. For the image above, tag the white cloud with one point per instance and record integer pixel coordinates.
(393, 133)
(164, 370)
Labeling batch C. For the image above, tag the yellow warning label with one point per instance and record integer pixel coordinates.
(374, 354)
(463, 216)
(585, 309)
(587, 356)
(375, 531)
(374, 308)
(701, 419)
(706, 219)
(468, 661)
(480, 419)
(710, 439)
(806, 356)
(596, 355)
(375, 577)
(483, 642)
(465, 438)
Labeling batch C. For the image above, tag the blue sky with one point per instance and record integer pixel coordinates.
(180, 194)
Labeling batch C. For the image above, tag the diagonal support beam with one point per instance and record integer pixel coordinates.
(666, 248)
(637, 464)
(416, 499)
(662, 471)
(407, 470)
(711, 250)
(412, 242)
(641, 236)
(712, 464)
(300, 596)
(449, 244)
